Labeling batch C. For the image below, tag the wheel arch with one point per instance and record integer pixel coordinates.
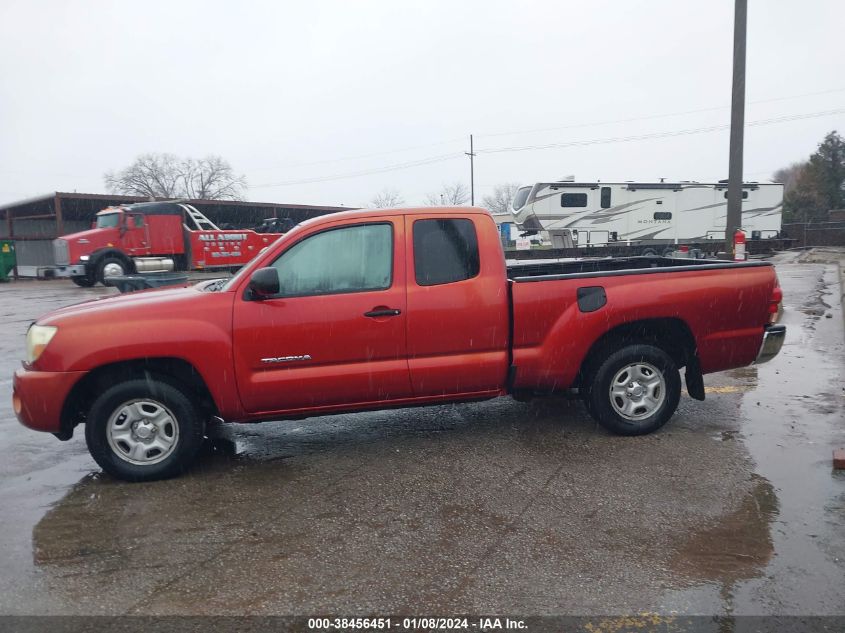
(670, 334)
(176, 371)
(100, 254)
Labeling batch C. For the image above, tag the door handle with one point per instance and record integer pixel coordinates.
(383, 312)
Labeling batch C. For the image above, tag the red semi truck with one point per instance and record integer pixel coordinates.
(386, 308)
(151, 237)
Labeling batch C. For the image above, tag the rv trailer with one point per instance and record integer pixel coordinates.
(640, 213)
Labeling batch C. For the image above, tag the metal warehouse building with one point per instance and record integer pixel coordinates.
(34, 223)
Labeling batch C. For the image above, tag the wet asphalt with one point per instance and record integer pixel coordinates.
(495, 507)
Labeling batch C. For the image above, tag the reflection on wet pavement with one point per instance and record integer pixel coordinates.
(737, 547)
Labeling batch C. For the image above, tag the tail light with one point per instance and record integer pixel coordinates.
(774, 302)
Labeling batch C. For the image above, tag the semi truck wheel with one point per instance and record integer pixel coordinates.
(635, 390)
(111, 267)
(144, 429)
(83, 281)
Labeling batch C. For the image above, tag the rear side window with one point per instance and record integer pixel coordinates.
(445, 251)
(573, 200)
(662, 215)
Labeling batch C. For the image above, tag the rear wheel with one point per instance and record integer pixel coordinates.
(144, 429)
(634, 391)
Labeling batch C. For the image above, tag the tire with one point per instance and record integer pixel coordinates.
(151, 416)
(111, 267)
(668, 252)
(649, 252)
(634, 390)
(84, 281)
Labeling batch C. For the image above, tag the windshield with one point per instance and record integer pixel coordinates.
(108, 220)
(520, 198)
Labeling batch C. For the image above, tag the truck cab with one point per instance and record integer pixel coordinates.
(119, 240)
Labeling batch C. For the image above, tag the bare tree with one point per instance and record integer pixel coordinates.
(789, 175)
(211, 178)
(387, 198)
(500, 200)
(167, 176)
(153, 175)
(455, 194)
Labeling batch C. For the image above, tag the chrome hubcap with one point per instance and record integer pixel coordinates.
(637, 391)
(142, 432)
(112, 269)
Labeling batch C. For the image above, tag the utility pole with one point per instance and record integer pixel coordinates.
(471, 155)
(733, 221)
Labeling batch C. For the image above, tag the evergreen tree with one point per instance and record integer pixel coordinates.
(819, 184)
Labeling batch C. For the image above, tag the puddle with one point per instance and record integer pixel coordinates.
(782, 550)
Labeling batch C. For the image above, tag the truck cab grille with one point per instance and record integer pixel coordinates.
(60, 252)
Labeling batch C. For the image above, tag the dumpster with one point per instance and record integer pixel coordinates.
(8, 261)
(131, 283)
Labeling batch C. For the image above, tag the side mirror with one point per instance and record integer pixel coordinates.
(264, 283)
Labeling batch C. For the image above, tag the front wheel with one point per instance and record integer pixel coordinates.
(635, 390)
(143, 429)
(111, 267)
(83, 281)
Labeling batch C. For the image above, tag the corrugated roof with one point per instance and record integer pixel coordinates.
(119, 198)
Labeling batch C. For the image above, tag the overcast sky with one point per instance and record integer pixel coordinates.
(292, 92)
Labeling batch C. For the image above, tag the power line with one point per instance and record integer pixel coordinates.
(602, 141)
(649, 117)
(366, 172)
(653, 135)
(360, 156)
(549, 129)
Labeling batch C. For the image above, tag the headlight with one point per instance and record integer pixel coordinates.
(37, 339)
(84, 258)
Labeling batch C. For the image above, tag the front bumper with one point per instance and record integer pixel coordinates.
(773, 337)
(52, 272)
(38, 397)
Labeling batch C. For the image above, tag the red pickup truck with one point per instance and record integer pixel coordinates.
(387, 308)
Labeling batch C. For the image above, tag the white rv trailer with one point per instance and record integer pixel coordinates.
(598, 213)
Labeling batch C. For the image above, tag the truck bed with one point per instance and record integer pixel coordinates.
(720, 305)
(614, 266)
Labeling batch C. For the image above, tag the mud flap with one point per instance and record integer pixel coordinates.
(694, 380)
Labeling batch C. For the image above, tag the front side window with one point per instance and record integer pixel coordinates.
(445, 251)
(108, 220)
(573, 200)
(349, 259)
